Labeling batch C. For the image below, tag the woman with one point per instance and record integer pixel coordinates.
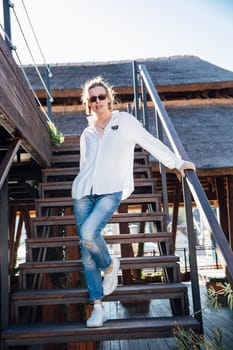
(105, 178)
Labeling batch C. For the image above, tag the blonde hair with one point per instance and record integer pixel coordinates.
(89, 84)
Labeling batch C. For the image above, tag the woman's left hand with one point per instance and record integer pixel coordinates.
(187, 166)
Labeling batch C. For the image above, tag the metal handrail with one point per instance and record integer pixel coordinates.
(147, 84)
(222, 246)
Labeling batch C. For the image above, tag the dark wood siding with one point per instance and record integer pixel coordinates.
(19, 112)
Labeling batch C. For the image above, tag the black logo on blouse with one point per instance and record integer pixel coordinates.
(115, 127)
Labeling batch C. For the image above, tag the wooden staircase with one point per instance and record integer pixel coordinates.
(53, 250)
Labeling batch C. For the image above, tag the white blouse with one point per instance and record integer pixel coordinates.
(106, 163)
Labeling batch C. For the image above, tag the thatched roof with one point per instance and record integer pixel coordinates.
(205, 129)
(174, 70)
(206, 133)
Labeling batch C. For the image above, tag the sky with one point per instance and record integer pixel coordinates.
(79, 31)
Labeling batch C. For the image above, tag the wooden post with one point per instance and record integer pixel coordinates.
(4, 276)
(136, 93)
(222, 202)
(126, 249)
(176, 203)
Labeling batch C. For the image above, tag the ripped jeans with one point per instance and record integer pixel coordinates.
(92, 214)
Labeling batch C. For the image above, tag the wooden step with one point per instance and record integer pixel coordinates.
(66, 220)
(129, 292)
(135, 199)
(122, 293)
(64, 158)
(41, 224)
(69, 139)
(75, 170)
(72, 241)
(133, 328)
(62, 173)
(72, 143)
(76, 265)
(66, 148)
(46, 188)
(139, 157)
(169, 261)
(110, 239)
(142, 170)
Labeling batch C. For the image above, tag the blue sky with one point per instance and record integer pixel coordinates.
(106, 30)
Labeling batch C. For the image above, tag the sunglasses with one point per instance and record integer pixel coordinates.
(93, 99)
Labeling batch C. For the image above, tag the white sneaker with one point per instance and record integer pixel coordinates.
(97, 317)
(111, 279)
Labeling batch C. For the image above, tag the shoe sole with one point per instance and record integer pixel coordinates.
(97, 325)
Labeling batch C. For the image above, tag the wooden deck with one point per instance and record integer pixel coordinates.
(212, 320)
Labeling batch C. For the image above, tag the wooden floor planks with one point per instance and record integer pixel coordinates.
(212, 320)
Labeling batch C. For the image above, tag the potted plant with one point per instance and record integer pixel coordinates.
(215, 286)
(56, 136)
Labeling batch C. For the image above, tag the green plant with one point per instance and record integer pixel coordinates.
(189, 340)
(228, 292)
(56, 136)
(225, 289)
(213, 299)
(216, 342)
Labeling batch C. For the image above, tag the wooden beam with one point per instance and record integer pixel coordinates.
(176, 203)
(198, 102)
(222, 202)
(78, 107)
(77, 92)
(8, 160)
(200, 172)
(195, 86)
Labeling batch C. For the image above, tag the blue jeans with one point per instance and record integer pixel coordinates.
(92, 214)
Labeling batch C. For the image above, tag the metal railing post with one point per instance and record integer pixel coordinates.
(185, 261)
(129, 109)
(192, 254)
(7, 22)
(49, 99)
(162, 168)
(144, 104)
(136, 93)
